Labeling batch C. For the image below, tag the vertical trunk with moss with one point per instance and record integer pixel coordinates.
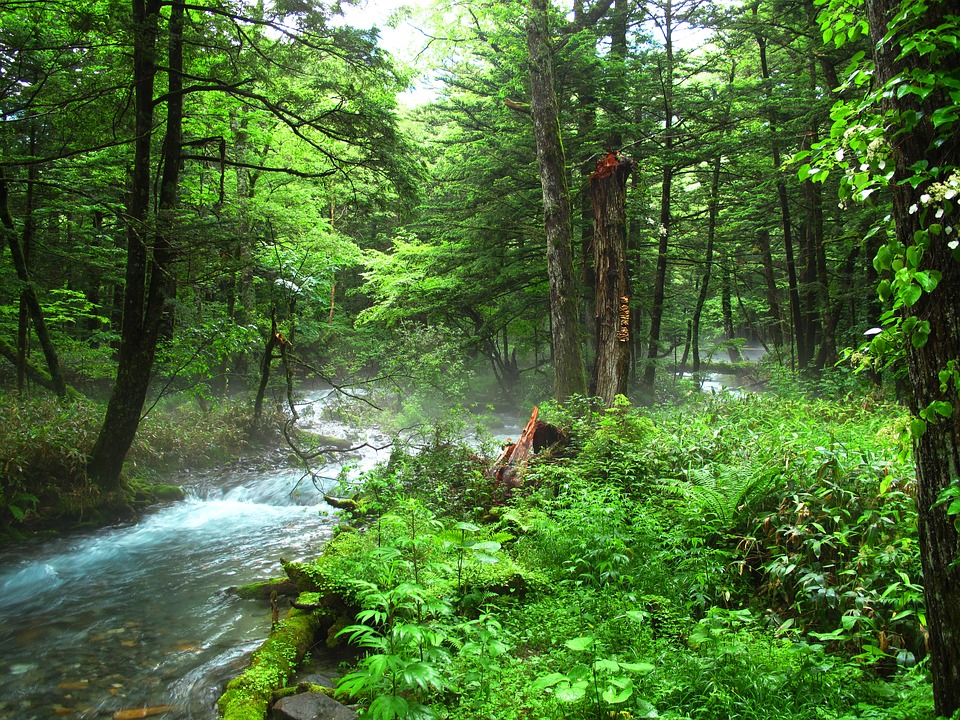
(937, 450)
(568, 361)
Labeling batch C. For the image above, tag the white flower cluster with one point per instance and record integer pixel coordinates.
(854, 131)
(946, 190)
(878, 148)
(936, 195)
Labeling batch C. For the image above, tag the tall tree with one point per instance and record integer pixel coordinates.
(803, 353)
(567, 358)
(926, 137)
(904, 132)
(150, 255)
(666, 73)
(335, 116)
(608, 190)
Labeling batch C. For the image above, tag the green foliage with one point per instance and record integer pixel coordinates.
(665, 590)
(44, 444)
(602, 681)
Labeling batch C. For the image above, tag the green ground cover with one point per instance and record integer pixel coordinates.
(750, 557)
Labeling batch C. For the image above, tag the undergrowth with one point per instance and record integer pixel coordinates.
(732, 558)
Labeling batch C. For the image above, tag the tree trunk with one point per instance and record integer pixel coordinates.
(660, 278)
(608, 192)
(268, 357)
(770, 281)
(796, 311)
(568, 362)
(708, 263)
(726, 307)
(937, 450)
(146, 293)
(27, 293)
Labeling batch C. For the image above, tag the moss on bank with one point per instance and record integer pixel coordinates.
(249, 695)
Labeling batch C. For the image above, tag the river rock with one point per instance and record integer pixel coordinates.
(316, 679)
(311, 706)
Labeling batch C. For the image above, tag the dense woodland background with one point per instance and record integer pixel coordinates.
(304, 194)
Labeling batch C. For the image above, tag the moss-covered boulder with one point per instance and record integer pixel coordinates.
(264, 589)
(249, 695)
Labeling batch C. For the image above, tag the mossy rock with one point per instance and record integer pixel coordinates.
(249, 695)
(306, 577)
(504, 577)
(263, 590)
(302, 688)
(167, 493)
(142, 493)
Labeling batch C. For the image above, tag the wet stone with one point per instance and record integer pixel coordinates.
(73, 685)
(311, 706)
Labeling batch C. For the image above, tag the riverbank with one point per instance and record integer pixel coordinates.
(734, 558)
(44, 441)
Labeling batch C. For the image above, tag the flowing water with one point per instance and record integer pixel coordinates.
(139, 615)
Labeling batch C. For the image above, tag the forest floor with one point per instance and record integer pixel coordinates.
(735, 557)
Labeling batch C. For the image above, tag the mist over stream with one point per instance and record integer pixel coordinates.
(138, 615)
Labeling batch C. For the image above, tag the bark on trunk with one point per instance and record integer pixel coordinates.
(660, 278)
(726, 307)
(937, 451)
(568, 362)
(608, 192)
(148, 274)
(770, 282)
(796, 312)
(708, 264)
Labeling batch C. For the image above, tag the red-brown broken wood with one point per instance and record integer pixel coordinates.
(535, 436)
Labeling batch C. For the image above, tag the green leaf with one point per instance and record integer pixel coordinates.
(387, 707)
(550, 680)
(910, 294)
(606, 664)
(928, 280)
(565, 692)
(486, 546)
(580, 644)
(619, 691)
(784, 626)
(646, 709)
(942, 408)
(884, 290)
(883, 259)
(919, 337)
(917, 428)
(641, 667)
(914, 255)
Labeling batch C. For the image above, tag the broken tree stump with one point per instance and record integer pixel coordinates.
(535, 436)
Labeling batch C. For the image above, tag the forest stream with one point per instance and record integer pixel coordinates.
(139, 616)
